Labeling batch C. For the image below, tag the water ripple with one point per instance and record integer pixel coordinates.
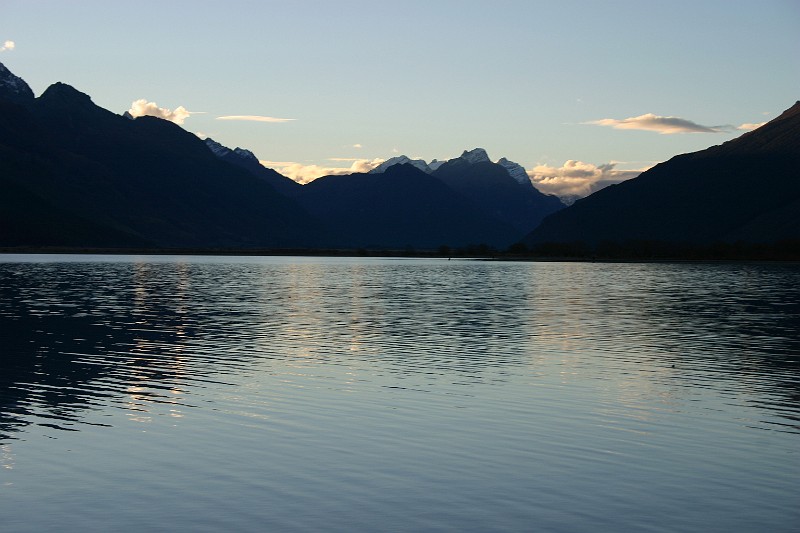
(474, 395)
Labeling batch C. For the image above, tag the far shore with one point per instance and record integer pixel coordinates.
(716, 253)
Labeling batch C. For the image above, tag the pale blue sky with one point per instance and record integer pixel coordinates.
(424, 78)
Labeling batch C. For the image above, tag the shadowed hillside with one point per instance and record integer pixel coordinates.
(74, 174)
(747, 189)
(402, 207)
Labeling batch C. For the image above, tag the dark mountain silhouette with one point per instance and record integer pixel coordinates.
(501, 190)
(245, 159)
(13, 88)
(747, 189)
(74, 174)
(491, 188)
(400, 208)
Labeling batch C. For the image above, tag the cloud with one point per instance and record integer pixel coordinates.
(578, 179)
(663, 125)
(357, 145)
(142, 107)
(254, 118)
(307, 173)
(749, 126)
(8, 45)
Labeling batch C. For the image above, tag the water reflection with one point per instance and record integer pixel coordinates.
(79, 336)
(366, 394)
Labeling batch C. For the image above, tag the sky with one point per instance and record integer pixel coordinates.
(579, 93)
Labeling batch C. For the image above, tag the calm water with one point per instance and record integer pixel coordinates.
(291, 394)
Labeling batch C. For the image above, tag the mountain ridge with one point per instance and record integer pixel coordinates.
(77, 175)
(697, 198)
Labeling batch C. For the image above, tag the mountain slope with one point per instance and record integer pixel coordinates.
(492, 188)
(746, 189)
(245, 159)
(85, 176)
(401, 207)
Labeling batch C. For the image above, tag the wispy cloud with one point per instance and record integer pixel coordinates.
(255, 118)
(659, 124)
(142, 107)
(307, 173)
(578, 179)
(357, 145)
(8, 46)
(747, 126)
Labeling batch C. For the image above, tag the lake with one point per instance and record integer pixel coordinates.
(142, 393)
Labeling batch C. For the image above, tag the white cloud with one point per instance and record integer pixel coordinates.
(142, 107)
(8, 45)
(749, 126)
(357, 145)
(255, 118)
(307, 173)
(578, 179)
(663, 125)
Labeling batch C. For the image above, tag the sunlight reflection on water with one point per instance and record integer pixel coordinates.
(372, 394)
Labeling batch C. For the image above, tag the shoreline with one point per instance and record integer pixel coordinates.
(466, 253)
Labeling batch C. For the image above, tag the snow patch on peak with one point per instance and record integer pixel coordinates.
(477, 155)
(223, 151)
(245, 154)
(217, 148)
(516, 171)
(401, 160)
(13, 87)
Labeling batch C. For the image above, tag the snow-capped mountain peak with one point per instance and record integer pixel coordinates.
(221, 151)
(401, 160)
(13, 87)
(217, 148)
(516, 171)
(477, 155)
(245, 154)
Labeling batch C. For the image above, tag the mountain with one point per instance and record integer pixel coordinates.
(474, 156)
(245, 159)
(493, 188)
(402, 207)
(401, 160)
(13, 88)
(502, 190)
(74, 174)
(516, 171)
(747, 189)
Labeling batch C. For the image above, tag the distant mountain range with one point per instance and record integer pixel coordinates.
(74, 174)
(78, 176)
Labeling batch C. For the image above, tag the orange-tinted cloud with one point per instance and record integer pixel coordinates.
(578, 179)
(142, 107)
(307, 173)
(749, 126)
